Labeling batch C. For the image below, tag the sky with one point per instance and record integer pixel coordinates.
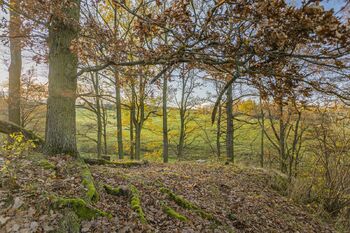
(42, 70)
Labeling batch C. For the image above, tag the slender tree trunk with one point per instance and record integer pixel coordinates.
(14, 100)
(63, 65)
(229, 126)
(119, 116)
(180, 149)
(165, 119)
(132, 117)
(104, 123)
(138, 128)
(98, 115)
(284, 166)
(218, 132)
(262, 134)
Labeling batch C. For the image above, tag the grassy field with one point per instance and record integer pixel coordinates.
(201, 140)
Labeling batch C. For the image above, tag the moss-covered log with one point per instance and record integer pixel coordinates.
(173, 213)
(82, 209)
(115, 163)
(181, 201)
(136, 203)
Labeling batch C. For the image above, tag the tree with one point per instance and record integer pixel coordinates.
(63, 66)
(14, 100)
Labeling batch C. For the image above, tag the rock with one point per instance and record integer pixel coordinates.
(3, 220)
(18, 202)
(34, 226)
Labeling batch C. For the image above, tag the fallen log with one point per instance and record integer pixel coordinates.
(125, 164)
(9, 128)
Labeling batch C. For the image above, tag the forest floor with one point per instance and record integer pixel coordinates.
(181, 197)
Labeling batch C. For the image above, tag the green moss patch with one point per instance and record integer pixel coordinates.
(88, 182)
(136, 203)
(80, 207)
(46, 164)
(181, 201)
(119, 191)
(172, 213)
(126, 164)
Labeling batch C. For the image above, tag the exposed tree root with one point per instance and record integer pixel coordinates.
(88, 182)
(136, 203)
(188, 205)
(114, 163)
(70, 222)
(83, 210)
(172, 213)
(119, 191)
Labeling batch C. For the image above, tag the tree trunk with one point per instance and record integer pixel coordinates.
(14, 100)
(138, 141)
(98, 115)
(132, 117)
(229, 126)
(218, 132)
(180, 147)
(165, 119)
(63, 65)
(119, 116)
(262, 134)
(104, 123)
(284, 166)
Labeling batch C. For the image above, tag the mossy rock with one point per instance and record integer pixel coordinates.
(136, 204)
(173, 213)
(80, 207)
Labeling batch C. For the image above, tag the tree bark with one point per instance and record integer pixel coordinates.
(119, 116)
(262, 133)
(14, 100)
(229, 126)
(218, 132)
(98, 115)
(63, 65)
(165, 119)
(132, 117)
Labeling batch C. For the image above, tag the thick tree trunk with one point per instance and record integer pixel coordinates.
(14, 100)
(229, 126)
(119, 116)
(165, 120)
(63, 65)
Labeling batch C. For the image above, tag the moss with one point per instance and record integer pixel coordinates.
(172, 213)
(88, 182)
(136, 203)
(46, 164)
(119, 191)
(127, 163)
(70, 222)
(188, 205)
(80, 207)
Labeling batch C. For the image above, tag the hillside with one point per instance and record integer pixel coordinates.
(152, 197)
